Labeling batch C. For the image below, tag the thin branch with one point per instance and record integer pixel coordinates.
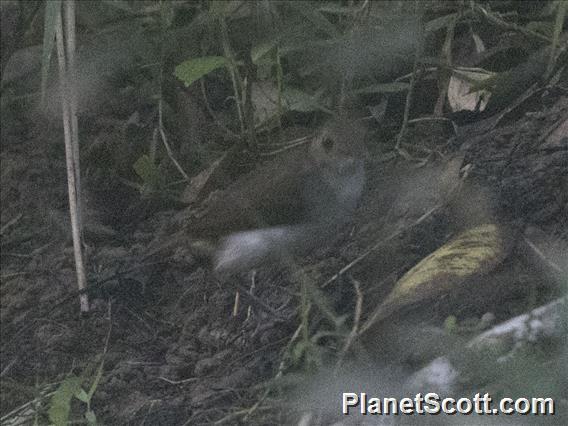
(290, 145)
(71, 173)
(558, 24)
(10, 223)
(166, 144)
(382, 243)
(495, 20)
(233, 71)
(70, 47)
(444, 71)
(355, 329)
(410, 93)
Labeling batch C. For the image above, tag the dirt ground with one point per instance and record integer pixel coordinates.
(176, 349)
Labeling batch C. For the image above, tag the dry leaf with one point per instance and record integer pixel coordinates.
(460, 96)
(473, 253)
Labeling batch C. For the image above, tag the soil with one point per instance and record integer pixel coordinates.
(176, 347)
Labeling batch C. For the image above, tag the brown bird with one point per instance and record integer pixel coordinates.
(286, 205)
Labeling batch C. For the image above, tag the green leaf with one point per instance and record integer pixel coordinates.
(298, 351)
(338, 10)
(260, 51)
(193, 69)
(52, 13)
(82, 396)
(383, 88)
(60, 406)
(451, 324)
(441, 22)
(544, 28)
(298, 100)
(319, 299)
(224, 8)
(148, 172)
(119, 4)
(315, 17)
(90, 417)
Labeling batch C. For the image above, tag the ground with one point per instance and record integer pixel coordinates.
(172, 349)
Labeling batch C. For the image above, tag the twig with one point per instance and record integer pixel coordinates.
(284, 144)
(13, 274)
(165, 141)
(548, 262)
(256, 301)
(410, 93)
(422, 119)
(294, 144)
(233, 71)
(180, 382)
(71, 171)
(278, 375)
(355, 329)
(558, 24)
(26, 405)
(70, 47)
(515, 104)
(251, 291)
(8, 366)
(250, 78)
(500, 23)
(444, 70)
(236, 303)
(395, 234)
(381, 243)
(10, 223)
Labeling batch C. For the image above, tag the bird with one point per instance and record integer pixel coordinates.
(285, 206)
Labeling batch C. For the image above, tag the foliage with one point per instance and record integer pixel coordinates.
(150, 175)
(72, 388)
(193, 69)
(254, 66)
(261, 62)
(322, 57)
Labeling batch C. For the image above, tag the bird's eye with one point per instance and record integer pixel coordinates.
(327, 144)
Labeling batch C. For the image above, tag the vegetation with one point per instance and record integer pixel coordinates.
(163, 102)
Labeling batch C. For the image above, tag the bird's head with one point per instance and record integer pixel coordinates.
(338, 150)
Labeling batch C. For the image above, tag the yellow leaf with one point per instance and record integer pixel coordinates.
(473, 253)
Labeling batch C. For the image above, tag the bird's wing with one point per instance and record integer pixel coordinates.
(270, 195)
